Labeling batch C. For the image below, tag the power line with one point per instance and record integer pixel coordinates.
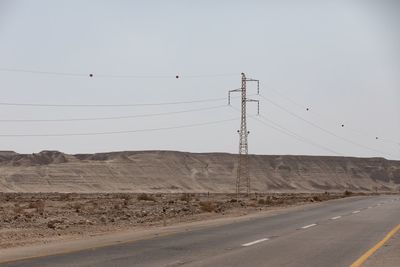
(44, 72)
(384, 139)
(288, 98)
(114, 117)
(121, 132)
(100, 75)
(209, 75)
(288, 132)
(276, 126)
(323, 129)
(113, 105)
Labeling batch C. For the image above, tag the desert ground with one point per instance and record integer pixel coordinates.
(37, 218)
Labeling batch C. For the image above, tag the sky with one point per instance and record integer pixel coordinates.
(328, 72)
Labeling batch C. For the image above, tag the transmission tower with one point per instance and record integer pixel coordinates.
(243, 176)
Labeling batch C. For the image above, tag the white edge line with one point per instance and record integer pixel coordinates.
(255, 242)
(308, 226)
(356, 211)
(335, 218)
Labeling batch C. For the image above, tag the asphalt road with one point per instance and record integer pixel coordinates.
(334, 233)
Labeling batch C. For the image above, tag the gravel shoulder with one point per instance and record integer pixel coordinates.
(388, 255)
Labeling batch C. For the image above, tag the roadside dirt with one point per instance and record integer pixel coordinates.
(29, 218)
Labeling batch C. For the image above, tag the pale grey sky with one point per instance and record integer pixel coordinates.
(341, 59)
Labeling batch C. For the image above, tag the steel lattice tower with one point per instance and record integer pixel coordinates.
(242, 170)
(243, 176)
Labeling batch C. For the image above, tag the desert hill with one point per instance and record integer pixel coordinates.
(170, 171)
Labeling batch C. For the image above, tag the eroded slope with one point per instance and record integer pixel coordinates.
(169, 171)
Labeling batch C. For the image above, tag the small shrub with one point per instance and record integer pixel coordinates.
(348, 193)
(186, 197)
(145, 197)
(252, 204)
(117, 206)
(126, 196)
(54, 223)
(103, 219)
(18, 209)
(39, 206)
(77, 207)
(207, 206)
(261, 201)
(64, 197)
(316, 198)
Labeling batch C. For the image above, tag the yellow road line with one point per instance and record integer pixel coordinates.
(370, 252)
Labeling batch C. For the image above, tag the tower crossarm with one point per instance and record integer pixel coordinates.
(232, 91)
(258, 104)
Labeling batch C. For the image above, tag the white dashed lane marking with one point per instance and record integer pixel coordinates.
(255, 242)
(308, 226)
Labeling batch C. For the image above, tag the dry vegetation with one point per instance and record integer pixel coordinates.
(31, 218)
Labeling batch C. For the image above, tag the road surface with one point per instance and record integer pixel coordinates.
(335, 233)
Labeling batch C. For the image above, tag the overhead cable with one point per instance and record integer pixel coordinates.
(102, 75)
(113, 117)
(113, 105)
(300, 138)
(120, 132)
(276, 126)
(323, 129)
(362, 133)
